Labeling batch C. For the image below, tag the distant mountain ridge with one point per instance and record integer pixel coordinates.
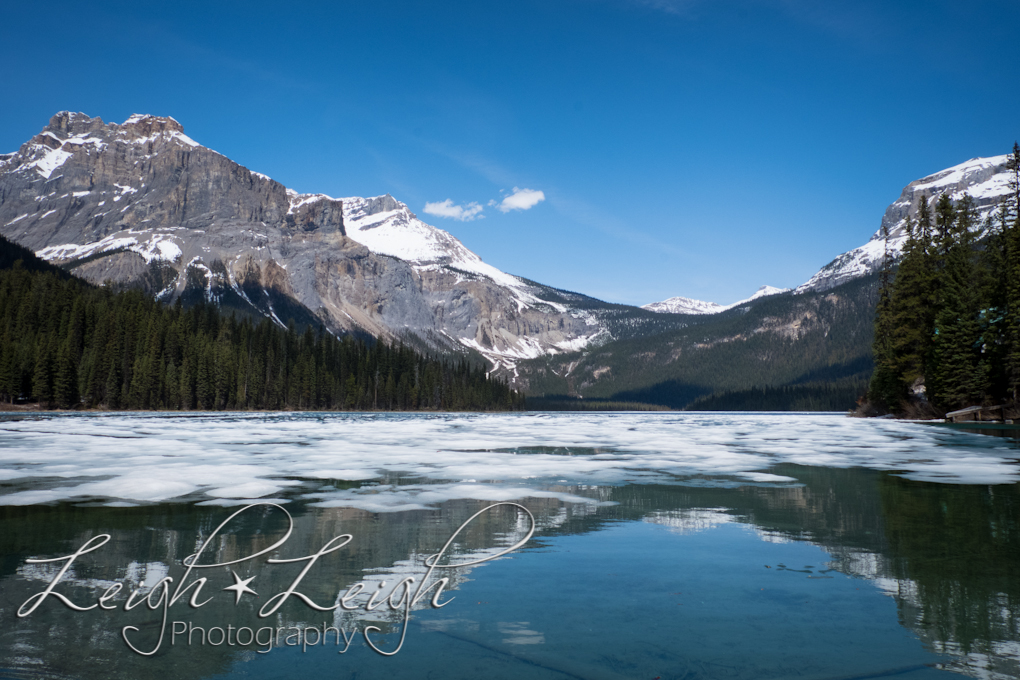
(682, 305)
(816, 343)
(804, 345)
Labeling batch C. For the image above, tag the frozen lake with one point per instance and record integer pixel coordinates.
(665, 545)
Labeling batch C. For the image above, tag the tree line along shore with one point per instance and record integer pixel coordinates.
(67, 344)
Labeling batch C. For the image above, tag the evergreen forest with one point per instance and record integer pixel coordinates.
(818, 396)
(947, 325)
(785, 352)
(67, 344)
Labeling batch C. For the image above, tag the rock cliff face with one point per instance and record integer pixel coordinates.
(985, 179)
(141, 203)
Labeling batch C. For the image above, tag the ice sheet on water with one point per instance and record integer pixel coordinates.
(226, 459)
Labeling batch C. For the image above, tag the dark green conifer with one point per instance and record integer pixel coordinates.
(887, 389)
(913, 301)
(65, 377)
(1011, 322)
(958, 375)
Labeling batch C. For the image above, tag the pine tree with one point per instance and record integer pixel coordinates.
(887, 389)
(65, 378)
(992, 316)
(1013, 166)
(913, 302)
(9, 373)
(42, 377)
(958, 375)
(1012, 267)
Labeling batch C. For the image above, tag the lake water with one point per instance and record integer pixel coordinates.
(649, 545)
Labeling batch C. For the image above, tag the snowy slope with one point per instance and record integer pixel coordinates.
(764, 291)
(682, 305)
(985, 179)
(386, 226)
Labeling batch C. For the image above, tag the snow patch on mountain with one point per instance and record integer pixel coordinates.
(150, 245)
(982, 178)
(764, 291)
(853, 264)
(385, 225)
(682, 305)
(48, 161)
(298, 201)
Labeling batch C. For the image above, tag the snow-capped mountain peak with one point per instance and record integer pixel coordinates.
(986, 180)
(764, 291)
(682, 305)
(388, 227)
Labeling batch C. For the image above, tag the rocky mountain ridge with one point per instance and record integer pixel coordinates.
(985, 179)
(141, 203)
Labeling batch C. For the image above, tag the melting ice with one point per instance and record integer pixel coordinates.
(394, 462)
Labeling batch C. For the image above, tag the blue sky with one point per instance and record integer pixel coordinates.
(681, 147)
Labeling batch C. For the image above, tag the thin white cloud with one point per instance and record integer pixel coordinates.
(464, 213)
(678, 7)
(850, 20)
(593, 216)
(520, 199)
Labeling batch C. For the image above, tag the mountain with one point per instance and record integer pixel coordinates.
(142, 204)
(985, 179)
(815, 341)
(96, 348)
(682, 305)
(805, 346)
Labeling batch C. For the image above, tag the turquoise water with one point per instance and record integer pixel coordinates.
(640, 601)
(646, 561)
